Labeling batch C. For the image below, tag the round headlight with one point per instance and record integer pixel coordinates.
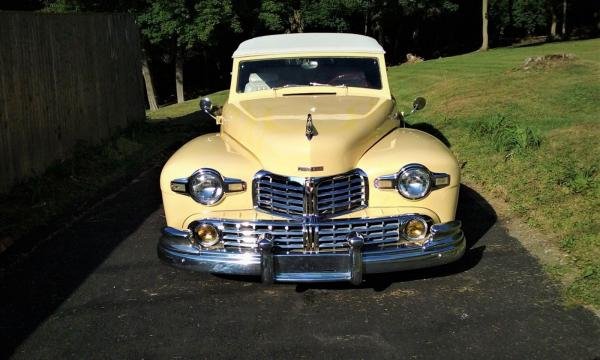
(206, 187)
(414, 182)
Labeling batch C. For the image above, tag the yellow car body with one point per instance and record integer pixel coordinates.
(264, 135)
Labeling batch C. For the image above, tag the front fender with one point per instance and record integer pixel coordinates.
(405, 146)
(207, 151)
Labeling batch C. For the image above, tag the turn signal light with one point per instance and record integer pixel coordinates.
(207, 235)
(415, 229)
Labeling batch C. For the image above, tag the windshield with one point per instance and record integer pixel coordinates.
(257, 75)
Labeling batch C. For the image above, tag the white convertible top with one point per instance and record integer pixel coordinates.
(307, 42)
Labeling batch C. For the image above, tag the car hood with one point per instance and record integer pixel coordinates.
(274, 131)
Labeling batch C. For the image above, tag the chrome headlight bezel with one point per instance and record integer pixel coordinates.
(204, 176)
(411, 172)
(393, 181)
(225, 185)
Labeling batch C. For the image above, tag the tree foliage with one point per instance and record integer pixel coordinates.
(186, 24)
(428, 28)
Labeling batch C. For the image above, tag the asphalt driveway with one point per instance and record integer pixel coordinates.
(97, 290)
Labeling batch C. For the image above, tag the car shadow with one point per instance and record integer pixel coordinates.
(477, 217)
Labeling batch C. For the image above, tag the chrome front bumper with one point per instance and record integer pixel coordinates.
(446, 244)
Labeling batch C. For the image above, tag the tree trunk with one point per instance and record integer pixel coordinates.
(484, 29)
(148, 81)
(564, 22)
(296, 21)
(179, 76)
(553, 25)
(366, 18)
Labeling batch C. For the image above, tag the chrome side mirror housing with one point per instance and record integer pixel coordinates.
(206, 106)
(419, 104)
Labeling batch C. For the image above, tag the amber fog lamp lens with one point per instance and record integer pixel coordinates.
(415, 229)
(207, 235)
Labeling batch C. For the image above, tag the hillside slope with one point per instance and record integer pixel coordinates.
(527, 134)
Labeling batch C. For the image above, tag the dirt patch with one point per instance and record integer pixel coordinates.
(546, 61)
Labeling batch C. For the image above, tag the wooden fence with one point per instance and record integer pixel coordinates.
(64, 78)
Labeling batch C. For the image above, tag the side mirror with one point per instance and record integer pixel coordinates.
(419, 104)
(206, 107)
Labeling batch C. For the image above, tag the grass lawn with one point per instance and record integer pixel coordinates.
(529, 137)
(551, 182)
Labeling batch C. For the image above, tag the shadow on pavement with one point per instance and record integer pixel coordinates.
(477, 217)
(41, 280)
(42, 270)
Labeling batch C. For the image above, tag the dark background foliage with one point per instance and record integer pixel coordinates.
(204, 33)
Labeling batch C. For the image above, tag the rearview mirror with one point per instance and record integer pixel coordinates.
(419, 104)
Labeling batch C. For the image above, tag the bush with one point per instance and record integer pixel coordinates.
(579, 179)
(505, 135)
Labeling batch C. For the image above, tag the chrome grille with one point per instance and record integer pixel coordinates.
(240, 235)
(341, 194)
(278, 194)
(324, 196)
(327, 235)
(382, 231)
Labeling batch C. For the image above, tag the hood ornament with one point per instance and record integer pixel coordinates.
(310, 128)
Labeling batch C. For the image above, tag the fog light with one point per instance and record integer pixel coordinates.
(207, 235)
(415, 229)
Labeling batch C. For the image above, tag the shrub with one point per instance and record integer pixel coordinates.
(578, 179)
(505, 135)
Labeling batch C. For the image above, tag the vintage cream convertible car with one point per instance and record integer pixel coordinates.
(313, 176)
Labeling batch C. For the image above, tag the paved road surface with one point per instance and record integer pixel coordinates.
(97, 290)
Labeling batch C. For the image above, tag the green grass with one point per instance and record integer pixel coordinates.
(530, 137)
(185, 108)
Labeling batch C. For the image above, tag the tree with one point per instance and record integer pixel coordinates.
(281, 15)
(294, 16)
(150, 93)
(530, 16)
(184, 26)
(164, 23)
(564, 22)
(484, 31)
